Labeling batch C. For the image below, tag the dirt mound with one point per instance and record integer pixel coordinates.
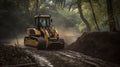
(10, 55)
(104, 45)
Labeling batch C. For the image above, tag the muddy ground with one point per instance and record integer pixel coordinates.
(11, 56)
(90, 50)
(103, 45)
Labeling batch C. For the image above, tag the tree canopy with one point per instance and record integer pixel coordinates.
(82, 15)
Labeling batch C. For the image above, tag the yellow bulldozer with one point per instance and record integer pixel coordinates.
(43, 35)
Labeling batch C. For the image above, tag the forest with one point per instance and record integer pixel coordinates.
(80, 15)
(85, 33)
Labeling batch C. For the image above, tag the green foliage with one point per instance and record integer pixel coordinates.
(116, 7)
(70, 19)
(13, 15)
(16, 15)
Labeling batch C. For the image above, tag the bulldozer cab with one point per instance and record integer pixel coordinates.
(43, 21)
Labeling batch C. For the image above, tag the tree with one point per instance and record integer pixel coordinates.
(82, 16)
(60, 3)
(94, 15)
(111, 20)
(36, 6)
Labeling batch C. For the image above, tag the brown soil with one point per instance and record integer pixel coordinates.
(104, 45)
(10, 55)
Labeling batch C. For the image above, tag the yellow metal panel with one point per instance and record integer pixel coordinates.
(31, 42)
(44, 15)
(37, 32)
(55, 33)
(36, 16)
(28, 32)
(45, 34)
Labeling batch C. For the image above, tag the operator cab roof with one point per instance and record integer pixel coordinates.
(44, 16)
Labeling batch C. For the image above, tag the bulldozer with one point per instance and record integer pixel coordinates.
(43, 35)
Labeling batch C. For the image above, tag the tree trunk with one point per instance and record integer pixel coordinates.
(97, 26)
(70, 6)
(82, 17)
(111, 20)
(36, 6)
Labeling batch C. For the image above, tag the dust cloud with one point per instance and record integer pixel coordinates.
(68, 34)
(17, 41)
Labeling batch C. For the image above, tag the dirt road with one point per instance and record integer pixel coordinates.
(65, 58)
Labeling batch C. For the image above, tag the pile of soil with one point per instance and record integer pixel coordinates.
(10, 55)
(103, 45)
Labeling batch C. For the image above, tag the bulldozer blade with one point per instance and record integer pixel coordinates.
(56, 44)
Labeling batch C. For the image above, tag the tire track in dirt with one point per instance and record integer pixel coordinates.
(79, 57)
(87, 59)
(42, 61)
(66, 58)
